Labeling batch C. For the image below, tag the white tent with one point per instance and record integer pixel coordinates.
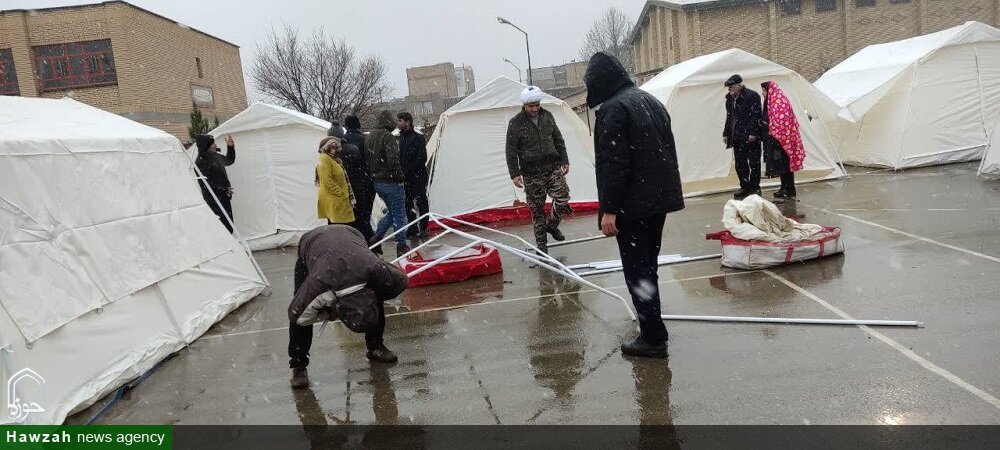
(921, 101)
(990, 167)
(694, 94)
(275, 198)
(468, 148)
(110, 260)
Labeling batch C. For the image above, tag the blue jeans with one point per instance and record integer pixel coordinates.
(394, 196)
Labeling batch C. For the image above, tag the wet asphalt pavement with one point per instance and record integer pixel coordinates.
(527, 347)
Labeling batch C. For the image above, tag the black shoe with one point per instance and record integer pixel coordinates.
(556, 234)
(372, 241)
(412, 233)
(740, 194)
(402, 249)
(543, 248)
(300, 378)
(640, 348)
(781, 194)
(757, 193)
(382, 355)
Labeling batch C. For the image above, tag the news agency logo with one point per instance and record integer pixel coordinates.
(18, 409)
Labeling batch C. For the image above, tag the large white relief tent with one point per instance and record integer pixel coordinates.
(273, 176)
(468, 166)
(110, 260)
(922, 101)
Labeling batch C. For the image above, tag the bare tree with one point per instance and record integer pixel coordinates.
(322, 76)
(610, 34)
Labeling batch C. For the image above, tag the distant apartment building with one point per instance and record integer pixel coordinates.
(123, 59)
(808, 36)
(569, 75)
(444, 79)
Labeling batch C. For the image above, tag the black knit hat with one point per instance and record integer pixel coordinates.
(204, 142)
(335, 130)
(735, 79)
(352, 123)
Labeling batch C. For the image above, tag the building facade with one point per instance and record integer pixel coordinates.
(445, 80)
(808, 36)
(569, 75)
(123, 59)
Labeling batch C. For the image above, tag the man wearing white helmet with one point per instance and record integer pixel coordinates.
(537, 162)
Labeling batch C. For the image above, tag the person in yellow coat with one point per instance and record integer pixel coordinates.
(336, 202)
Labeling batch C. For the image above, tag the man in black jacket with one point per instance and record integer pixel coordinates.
(744, 118)
(537, 161)
(361, 177)
(413, 161)
(356, 166)
(212, 166)
(638, 183)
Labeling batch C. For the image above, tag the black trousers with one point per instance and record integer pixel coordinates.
(364, 227)
(416, 203)
(300, 337)
(788, 183)
(639, 246)
(364, 198)
(227, 206)
(748, 166)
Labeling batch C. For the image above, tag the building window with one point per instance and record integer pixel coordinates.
(197, 62)
(826, 5)
(8, 77)
(78, 64)
(864, 3)
(791, 7)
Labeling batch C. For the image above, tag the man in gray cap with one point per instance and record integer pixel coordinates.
(744, 119)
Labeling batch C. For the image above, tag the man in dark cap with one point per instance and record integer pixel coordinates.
(744, 119)
(361, 179)
(356, 166)
(212, 166)
(638, 184)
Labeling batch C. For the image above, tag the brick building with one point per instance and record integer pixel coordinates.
(569, 75)
(445, 80)
(808, 36)
(123, 59)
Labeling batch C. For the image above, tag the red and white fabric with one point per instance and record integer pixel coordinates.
(480, 260)
(751, 255)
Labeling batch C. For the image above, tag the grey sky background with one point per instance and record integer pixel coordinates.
(403, 33)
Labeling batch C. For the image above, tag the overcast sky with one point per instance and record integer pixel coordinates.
(403, 33)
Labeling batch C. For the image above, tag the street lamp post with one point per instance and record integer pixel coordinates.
(519, 80)
(526, 43)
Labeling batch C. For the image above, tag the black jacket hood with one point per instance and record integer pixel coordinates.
(605, 77)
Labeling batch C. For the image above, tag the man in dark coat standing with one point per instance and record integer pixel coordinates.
(333, 258)
(413, 161)
(212, 166)
(361, 176)
(638, 183)
(356, 166)
(744, 119)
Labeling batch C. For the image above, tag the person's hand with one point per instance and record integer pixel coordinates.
(229, 141)
(564, 168)
(609, 224)
(518, 181)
